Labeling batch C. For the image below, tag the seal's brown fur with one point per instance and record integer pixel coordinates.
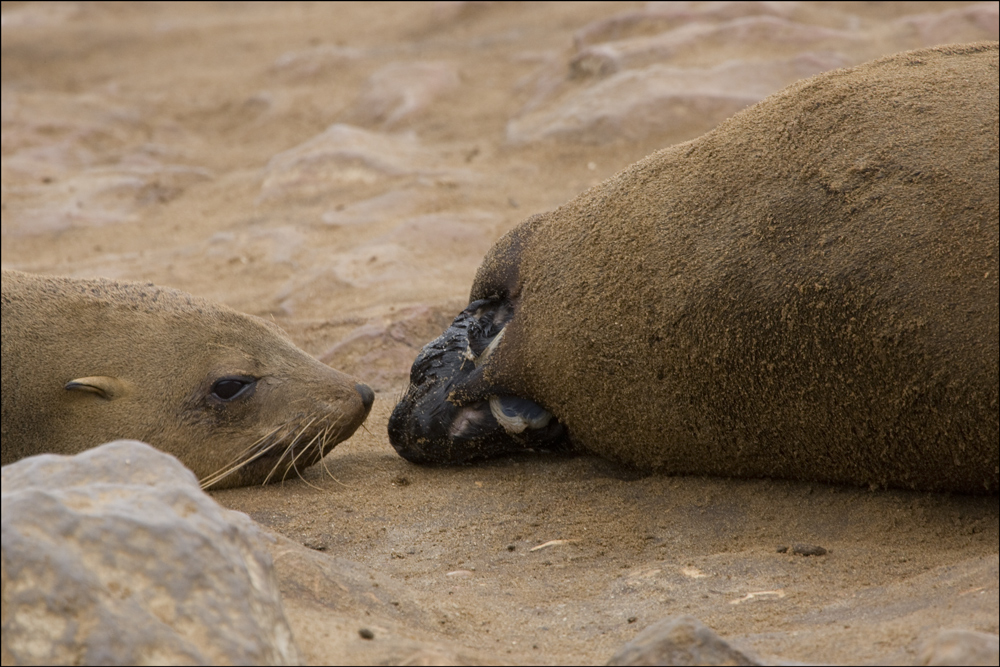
(88, 361)
(809, 291)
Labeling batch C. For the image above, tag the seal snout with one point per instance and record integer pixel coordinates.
(367, 395)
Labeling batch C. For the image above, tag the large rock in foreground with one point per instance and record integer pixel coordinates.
(116, 556)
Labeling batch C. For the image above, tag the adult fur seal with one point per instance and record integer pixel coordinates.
(809, 291)
(88, 361)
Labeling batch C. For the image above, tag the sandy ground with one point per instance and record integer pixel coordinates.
(342, 169)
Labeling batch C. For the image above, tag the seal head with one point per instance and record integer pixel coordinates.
(90, 361)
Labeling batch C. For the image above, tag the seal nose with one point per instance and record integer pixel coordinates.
(367, 395)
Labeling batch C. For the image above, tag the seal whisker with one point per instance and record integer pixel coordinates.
(305, 449)
(235, 464)
(326, 438)
(320, 437)
(326, 467)
(289, 451)
(263, 451)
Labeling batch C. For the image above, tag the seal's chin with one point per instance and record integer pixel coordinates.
(448, 416)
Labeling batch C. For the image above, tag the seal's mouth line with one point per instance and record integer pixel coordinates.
(320, 440)
(236, 463)
(322, 432)
(468, 418)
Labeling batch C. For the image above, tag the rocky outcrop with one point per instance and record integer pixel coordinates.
(116, 556)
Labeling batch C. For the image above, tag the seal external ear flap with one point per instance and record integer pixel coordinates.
(104, 386)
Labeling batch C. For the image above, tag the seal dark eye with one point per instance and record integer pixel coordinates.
(229, 388)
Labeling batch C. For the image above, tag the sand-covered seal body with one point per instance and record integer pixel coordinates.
(809, 291)
(90, 361)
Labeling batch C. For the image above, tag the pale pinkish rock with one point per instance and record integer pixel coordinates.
(389, 205)
(658, 17)
(659, 99)
(780, 35)
(963, 24)
(96, 197)
(400, 91)
(407, 255)
(315, 62)
(345, 157)
(382, 352)
(961, 647)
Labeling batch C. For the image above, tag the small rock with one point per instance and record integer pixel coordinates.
(808, 550)
(315, 544)
(366, 633)
(101, 196)
(679, 641)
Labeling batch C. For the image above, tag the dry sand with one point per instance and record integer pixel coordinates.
(343, 169)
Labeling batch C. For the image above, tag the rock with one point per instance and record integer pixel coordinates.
(408, 257)
(100, 196)
(342, 155)
(385, 351)
(672, 71)
(632, 23)
(399, 91)
(961, 647)
(784, 37)
(116, 556)
(40, 16)
(345, 158)
(678, 102)
(278, 245)
(386, 206)
(320, 60)
(682, 640)
(84, 161)
(46, 133)
(964, 24)
(660, 16)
